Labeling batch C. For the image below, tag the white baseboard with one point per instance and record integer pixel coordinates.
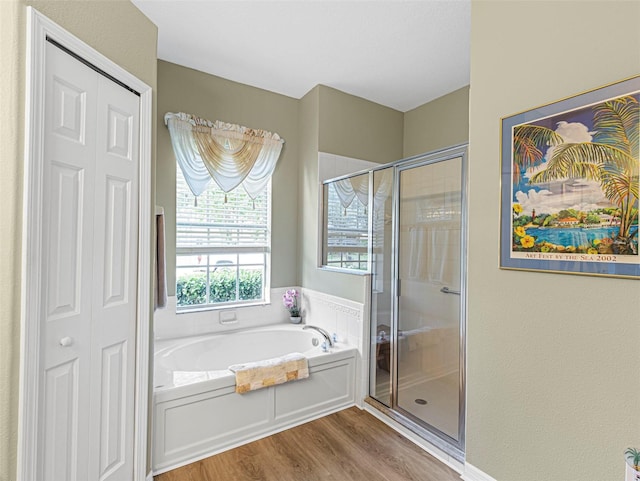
(471, 473)
(150, 476)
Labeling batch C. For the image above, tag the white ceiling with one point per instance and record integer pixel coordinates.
(398, 53)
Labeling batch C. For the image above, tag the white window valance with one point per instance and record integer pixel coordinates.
(230, 154)
(351, 188)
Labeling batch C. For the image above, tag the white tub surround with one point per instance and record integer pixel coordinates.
(197, 412)
(349, 320)
(169, 324)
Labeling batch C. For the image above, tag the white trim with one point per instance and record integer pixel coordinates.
(31, 251)
(141, 410)
(471, 473)
(38, 28)
(362, 380)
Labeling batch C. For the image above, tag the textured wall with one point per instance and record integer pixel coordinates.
(354, 127)
(119, 31)
(441, 123)
(11, 134)
(308, 120)
(552, 359)
(183, 89)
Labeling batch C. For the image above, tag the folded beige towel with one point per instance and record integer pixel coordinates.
(259, 374)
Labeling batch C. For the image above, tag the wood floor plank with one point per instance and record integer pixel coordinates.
(350, 445)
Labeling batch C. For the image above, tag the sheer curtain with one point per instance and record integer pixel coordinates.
(352, 187)
(230, 154)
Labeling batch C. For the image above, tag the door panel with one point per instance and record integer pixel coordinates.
(429, 256)
(61, 422)
(114, 286)
(68, 173)
(90, 207)
(113, 410)
(382, 326)
(69, 110)
(117, 248)
(65, 240)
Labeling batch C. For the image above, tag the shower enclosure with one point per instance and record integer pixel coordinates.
(417, 245)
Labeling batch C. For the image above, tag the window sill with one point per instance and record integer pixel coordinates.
(344, 270)
(226, 307)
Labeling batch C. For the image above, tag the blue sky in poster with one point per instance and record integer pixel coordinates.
(574, 126)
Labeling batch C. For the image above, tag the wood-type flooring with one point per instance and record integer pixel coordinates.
(350, 445)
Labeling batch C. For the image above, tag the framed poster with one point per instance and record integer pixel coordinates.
(569, 185)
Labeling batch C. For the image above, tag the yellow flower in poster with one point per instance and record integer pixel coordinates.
(527, 241)
(519, 231)
(517, 208)
(592, 251)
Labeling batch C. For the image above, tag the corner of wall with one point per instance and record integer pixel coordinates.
(308, 117)
(438, 124)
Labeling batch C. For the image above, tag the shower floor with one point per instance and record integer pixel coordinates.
(440, 394)
(441, 408)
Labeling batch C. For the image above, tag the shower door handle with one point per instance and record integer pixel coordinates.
(446, 290)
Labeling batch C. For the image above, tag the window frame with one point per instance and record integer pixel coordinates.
(325, 251)
(229, 251)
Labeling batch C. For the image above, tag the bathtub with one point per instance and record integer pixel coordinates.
(197, 413)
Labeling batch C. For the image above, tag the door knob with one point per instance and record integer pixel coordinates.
(66, 341)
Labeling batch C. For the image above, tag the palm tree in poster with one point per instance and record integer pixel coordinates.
(528, 140)
(610, 159)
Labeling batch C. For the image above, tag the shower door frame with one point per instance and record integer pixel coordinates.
(451, 446)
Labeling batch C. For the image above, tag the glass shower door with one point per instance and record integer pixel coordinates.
(428, 302)
(382, 325)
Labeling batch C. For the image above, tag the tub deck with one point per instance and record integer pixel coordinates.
(205, 417)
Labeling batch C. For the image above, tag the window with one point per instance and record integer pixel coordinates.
(222, 246)
(345, 231)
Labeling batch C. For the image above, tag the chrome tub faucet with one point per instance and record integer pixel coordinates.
(324, 333)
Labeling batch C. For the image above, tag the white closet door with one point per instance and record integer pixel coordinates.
(115, 263)
(89, 274)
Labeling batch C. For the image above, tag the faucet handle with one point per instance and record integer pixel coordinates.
(334, 338)
(325, 348)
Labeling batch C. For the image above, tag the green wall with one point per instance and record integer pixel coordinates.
(11, 134)
(183, 89)
(438, 124)
(308, 122)
(553, 360)
(324, 120)
(111, 28)
(354, 127)
(338, 123)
